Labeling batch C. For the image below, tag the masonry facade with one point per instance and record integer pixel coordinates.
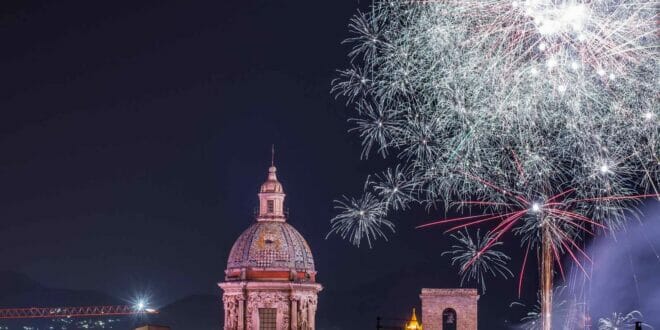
(449, 309)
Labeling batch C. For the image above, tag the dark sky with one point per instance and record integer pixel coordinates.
(134, 136)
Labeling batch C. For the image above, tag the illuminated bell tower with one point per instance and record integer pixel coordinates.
(270, 279)
(449, 309)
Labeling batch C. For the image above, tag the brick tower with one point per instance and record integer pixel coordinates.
(449, 309)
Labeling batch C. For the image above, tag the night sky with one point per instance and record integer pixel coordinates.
(134, 137)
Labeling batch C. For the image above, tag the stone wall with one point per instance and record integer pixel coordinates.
(295, 304)
(463, 301)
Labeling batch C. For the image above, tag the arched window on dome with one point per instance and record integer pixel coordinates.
(449, 319)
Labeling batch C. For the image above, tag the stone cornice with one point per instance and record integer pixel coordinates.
(268, 286)
(450, 292)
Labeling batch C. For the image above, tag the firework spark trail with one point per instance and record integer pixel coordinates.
(563, 241)
(522, 271)
(620, 321)
(543, 115)
(492, 261)
(558, 260)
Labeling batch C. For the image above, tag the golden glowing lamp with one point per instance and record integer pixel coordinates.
(413, 324)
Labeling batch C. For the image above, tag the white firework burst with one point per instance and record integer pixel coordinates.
(359, 219)
(504, 105)
(488, 263)
(619, 321)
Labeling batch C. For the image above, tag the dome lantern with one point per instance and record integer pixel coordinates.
(271, 197)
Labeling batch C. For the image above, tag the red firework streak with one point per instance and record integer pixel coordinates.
(558, 207)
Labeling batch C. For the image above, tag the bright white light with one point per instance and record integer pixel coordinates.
(548, 27)
(561, 88)
(601, 72)
(542, 46)
(604, 169)
(570, 18)
(551, 63)
(575, 65)
(649, 115)
(536, 207)
(575, 15)
(140, 303)
(612, 76)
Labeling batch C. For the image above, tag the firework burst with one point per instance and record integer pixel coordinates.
(619, 321)
(360, 219)
(565, 307)
(475, 260)
(541, 115)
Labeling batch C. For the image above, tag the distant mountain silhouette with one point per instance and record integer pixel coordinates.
(19, 290)
(12, 283)
(196, 312)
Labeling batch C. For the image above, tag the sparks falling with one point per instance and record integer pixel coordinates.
(542, 114)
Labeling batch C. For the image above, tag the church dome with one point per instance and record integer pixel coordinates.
(270, 245)
(271, 249)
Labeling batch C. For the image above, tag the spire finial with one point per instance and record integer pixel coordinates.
(271, 195)
(413, 324)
